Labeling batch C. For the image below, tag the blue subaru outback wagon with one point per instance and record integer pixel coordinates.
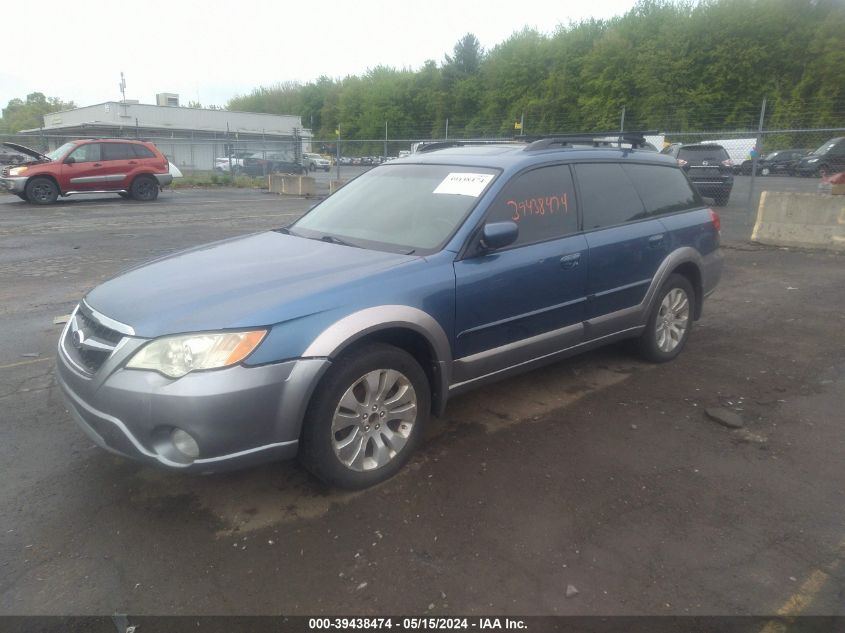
(337, 337)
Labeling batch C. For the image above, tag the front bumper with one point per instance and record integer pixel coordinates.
(164, 179)
(13, 184)
(239, 416)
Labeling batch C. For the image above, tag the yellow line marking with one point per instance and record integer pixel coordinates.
(809, 589)
(25, 362)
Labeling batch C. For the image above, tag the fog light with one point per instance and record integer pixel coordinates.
(184, 443)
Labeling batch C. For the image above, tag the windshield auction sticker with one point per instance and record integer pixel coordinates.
(464, 184)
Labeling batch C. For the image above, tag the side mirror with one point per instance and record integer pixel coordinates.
(497, 235)
(70, 160)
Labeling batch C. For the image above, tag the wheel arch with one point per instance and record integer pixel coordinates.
(48, 176)
(405, 327)
(693, 274)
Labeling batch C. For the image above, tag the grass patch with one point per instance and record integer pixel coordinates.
(219, 180)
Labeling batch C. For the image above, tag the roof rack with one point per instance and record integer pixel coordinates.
(596, 139)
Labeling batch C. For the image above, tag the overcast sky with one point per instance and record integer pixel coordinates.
(211, 51)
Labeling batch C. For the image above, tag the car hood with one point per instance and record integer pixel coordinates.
(257, 280)
(28, 151)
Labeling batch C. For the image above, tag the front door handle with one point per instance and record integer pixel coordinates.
(133, 162)
(98, 164)
(568, 262)
(656, 241)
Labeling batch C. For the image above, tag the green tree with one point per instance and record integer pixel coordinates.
(29, 114)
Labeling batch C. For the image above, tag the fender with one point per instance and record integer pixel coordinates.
(338, 336)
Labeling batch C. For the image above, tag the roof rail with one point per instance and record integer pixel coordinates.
(596, 139)
(437, 145)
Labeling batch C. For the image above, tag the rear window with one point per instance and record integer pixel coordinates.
(142, 152)
(662, 189)
(117, 151)
(608, 196)
(697, 153)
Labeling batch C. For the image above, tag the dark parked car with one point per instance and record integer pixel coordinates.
(263, 164)
(708, 166)
(780, 163)
(827, 159)
(336, 337)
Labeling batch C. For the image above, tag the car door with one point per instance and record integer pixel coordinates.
(83, 169)
(525, 300)
(626, 246)
(119, 164)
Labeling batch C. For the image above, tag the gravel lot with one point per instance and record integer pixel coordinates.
(600, 472)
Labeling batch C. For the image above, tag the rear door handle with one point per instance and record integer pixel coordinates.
(656, 241)
(133, 162)
(568, 262)
(98, 164)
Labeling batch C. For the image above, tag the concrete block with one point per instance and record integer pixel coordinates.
(292, 185)
(334, 185)
(810, 220)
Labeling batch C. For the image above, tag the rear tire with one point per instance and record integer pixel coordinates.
(41, 191)
(144, 189)
(670, 321)
(366, 417)
(722, 199)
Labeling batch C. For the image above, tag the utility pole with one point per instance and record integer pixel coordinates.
(754, 159)
(447, 128)
(338, 154)
(522, 124)
(622, 121)
(229, 152)
(123, 86)
(385, 139)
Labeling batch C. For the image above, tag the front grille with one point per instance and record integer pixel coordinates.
(88, 343)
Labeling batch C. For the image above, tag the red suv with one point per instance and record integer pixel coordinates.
(129, 168)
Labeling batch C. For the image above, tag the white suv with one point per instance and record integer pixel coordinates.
(313, 162)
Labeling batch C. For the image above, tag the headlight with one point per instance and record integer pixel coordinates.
(812, 160)
(17, 171)
(175, 356)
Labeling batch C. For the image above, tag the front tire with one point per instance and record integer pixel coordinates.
(366, 417)
(41, 191)
(670, 321)
(144, 189)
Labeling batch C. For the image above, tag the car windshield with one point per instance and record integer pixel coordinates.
(57, 153)
(407, 208)
(825, 148)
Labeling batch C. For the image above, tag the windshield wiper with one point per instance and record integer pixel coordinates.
(331, 239)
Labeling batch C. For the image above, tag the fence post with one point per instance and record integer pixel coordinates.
(749, 215)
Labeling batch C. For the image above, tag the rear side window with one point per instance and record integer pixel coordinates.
(541, 202)
(608, 196)
(117, 151)
(662, 189)
(714, 154)
(141, 151)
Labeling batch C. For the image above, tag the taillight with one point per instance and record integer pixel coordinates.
(682, 162)
(716, 220)
(728, 162)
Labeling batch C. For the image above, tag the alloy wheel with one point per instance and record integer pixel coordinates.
(374, 419)
(672, 319)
